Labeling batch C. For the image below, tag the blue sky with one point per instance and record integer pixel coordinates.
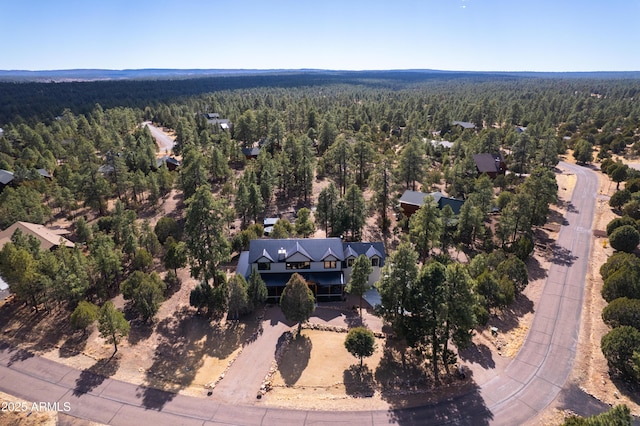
(472, 35)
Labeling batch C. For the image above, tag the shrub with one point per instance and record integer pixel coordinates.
(625, 238)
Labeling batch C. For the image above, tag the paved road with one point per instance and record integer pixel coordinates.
(165, 143)
(517, 394)
(541, 368)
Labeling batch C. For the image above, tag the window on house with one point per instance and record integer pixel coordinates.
(298, 265)
(375, 261)
(264, 266)
(350, 262)
(330, 264)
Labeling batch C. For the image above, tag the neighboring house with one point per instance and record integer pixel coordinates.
(491, 164)
(214, 119)
(411, 201)
(44, 173)
(444, 144)
(268, 224)
(106, 169)
(250, 153)
(324, 263)
(465, 124)
(49, 238)
(1, 132)
(6, 177)
(172, 163)
(4, 289)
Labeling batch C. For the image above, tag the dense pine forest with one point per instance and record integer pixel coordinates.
(336, 148)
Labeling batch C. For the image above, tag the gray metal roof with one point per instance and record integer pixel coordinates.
(312, 248)
(464, 124)
(5, 176)
(415, 198)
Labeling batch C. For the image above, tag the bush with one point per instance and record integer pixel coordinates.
(619, 199)
(618, 347)
(622, 283)
(622, 311)
(620, 221)
(619, 260)
(167, 227)
(625, 238)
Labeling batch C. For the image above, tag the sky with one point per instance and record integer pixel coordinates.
(459, 35)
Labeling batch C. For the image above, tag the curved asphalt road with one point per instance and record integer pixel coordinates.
(528, 385)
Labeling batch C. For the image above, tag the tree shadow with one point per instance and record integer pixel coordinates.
(18, 356)
(184, 340)
(469, 408)
(93, 376)
(536, 271)
(36, 332)
(400, 372)
(561, 256)
(74, 345)
(327, 314)
(581, 403)
(509, 318)
(139, 331)
(359, 381)
(406, 383)
(571, 208)
(294, 358)
(478, 354)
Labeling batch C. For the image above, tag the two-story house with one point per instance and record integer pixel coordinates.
(324, 263)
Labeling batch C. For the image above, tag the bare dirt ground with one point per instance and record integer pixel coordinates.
(184, 353)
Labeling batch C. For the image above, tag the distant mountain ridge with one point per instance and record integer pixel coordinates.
(171, 74)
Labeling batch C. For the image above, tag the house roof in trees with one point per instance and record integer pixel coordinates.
(169, 160)
(49, 238)
(270, 221)
(416, 198)
(488, 163)
(5, 176)
(282, 249)
(316, 249)
(251, 152)
(464, 124)
(444, 144)
(44, 173)
(374, 249)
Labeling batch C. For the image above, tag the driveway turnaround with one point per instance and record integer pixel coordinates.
(514, 396)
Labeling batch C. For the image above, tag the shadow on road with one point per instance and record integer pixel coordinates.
(93, 376)
(467, 409)
(294, 357)
(359, 381)
(561, 256)
(406, 383)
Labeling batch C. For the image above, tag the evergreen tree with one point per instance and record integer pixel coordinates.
(112, 325)
(297, 301)
(206, 240)
(360, 342)
(359, 281)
